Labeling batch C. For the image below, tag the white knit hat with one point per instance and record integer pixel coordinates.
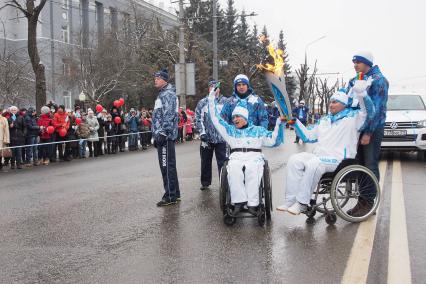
(341, 97)
(45, 109)
(365, 57)
(241, 110)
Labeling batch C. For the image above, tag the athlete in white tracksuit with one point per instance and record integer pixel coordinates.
(245, 143)
(336, 137)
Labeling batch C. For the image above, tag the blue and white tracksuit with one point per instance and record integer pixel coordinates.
(165, 119)
(369, 155)
(244, 185)
(215, 143)
(336, 137)
(258, 115)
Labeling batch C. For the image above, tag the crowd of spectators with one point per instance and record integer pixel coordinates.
(60, 134)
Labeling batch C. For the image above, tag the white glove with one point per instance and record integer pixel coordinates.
(361, 85)
(212, 94)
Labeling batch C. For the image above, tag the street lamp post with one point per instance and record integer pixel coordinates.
(310, 43)
(182, 55)
(306, 48)
(215, 60)
(82, 98)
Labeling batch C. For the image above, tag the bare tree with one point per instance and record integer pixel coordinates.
(323, 93)
(306, 83)
(96, 71)
(32, 12)
(15, 76)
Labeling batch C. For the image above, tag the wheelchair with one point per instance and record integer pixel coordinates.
(265, 199)
(339, 191)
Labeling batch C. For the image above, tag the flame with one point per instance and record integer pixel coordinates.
(277, 67)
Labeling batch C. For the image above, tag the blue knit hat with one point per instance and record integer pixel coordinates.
(212, 83)
(241, 78)
(364, 57)
(163, 74)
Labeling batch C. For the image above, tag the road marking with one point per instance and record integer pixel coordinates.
(399, 270)
(356, 270)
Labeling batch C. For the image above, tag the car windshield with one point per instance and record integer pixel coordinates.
(405, 102)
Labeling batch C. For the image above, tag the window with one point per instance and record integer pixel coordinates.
(65, 35)
(66, 69)
(114, 20)
(67, 99)
(100, 19)
(405, 102)
(65, 4)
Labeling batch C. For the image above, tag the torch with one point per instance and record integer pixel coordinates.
(273, 70)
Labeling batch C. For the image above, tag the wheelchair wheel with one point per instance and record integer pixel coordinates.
(331, 219)
(322, 196)
(353, 186)
(267, 190)
(223, 187)
(229, 220)
(311, 212)
(261, 218)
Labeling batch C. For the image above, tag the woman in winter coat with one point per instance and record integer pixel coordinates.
(71, 148)
(189, 124)
(4, 135)
(93, 139)
(17, 136)
(61, 120)
(145, 128)
(45, 138)
(101, 131)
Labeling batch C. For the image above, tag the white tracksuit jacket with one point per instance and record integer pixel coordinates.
(336, 138)
(244, 186)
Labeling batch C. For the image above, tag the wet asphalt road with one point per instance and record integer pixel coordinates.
(95, 221)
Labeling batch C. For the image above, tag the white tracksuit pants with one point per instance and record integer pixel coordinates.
(244, 186)
(304, 171)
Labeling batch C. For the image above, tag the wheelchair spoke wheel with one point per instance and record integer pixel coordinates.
(355, 193)
(267, 191)
(223, 187)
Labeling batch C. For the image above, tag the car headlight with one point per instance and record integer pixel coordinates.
(421, 124)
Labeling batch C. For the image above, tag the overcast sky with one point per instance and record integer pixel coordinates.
(393, 30)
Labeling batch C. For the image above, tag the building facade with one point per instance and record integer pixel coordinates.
(74, 24)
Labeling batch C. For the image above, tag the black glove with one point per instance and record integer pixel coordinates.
(203, 137)
(155, 144)
(161, 140)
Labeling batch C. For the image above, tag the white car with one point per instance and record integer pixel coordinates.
(405, 128)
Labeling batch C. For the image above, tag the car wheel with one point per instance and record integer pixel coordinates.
(421, 155)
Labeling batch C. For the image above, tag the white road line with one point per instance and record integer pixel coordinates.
(356, 270)
(399, 270)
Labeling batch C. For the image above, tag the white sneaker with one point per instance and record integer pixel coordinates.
(285, 206)
(297, 208)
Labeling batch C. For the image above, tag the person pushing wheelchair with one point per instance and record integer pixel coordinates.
(245, 166)
(336, 136)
